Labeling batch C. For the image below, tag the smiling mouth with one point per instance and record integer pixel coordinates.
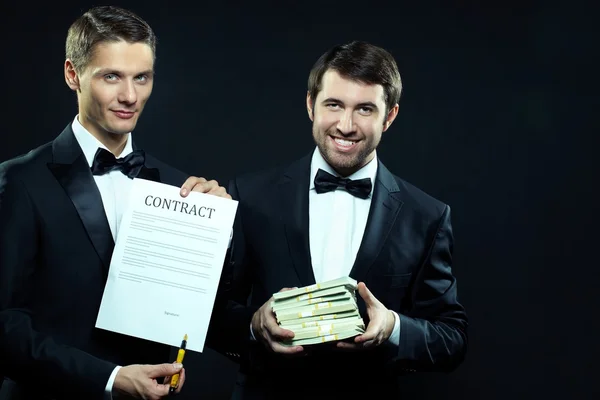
(344, 142)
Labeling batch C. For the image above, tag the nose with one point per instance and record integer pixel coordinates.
(127, 93)
(346, 124)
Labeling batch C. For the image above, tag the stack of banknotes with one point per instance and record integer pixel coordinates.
(319, 313)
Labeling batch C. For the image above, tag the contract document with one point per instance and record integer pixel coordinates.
(166, 265)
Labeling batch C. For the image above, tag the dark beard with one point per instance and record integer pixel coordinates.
(343, 165)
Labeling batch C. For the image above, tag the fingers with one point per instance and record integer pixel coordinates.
(219, 191)
(189, 185)
(269, 323)
(277, 333)
(201, 185)
(179, 384)
(271, 333)
(349, 346)
(164, 389)
(206, 186)
(274, 345)
(277, 347)
(142, 381)
(161, 370)
(366, 294)
(286, 349)
(379, 329)
(370, 334)
(374, 334)
(181, 380)
(368, 341)
(346, 346)
(160, 391)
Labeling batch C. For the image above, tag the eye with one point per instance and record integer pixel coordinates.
(111, 77)
(365, 110)
(332, 106)
(142, 78)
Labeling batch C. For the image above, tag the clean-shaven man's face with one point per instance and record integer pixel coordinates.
(113, 88)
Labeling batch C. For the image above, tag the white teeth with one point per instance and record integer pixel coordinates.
(344, 142)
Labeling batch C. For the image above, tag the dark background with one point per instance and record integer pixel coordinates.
(495, 120)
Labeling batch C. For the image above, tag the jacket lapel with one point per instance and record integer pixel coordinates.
(72, 171)
(385, 207)
(293, 189)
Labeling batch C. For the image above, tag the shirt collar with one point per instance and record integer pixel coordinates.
(318, 162)
(89, 144)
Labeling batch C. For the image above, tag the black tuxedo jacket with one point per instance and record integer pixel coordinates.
(404, 259)
(55, 251)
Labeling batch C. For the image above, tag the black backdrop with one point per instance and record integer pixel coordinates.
(492, 121)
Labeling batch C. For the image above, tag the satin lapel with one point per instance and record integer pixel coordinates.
(293, 190)
(72, 171)
(385, 207)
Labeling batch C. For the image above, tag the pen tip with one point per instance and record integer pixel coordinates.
(185, 337)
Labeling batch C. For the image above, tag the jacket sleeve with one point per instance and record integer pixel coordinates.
(433, 333)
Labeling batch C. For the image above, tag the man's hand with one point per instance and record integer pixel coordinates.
(141, 381)
(381, 323)
(194, 184)
(266, 329)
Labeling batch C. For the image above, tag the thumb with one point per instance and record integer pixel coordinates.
(366, 295)
(166, 369)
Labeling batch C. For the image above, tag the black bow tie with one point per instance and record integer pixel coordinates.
(130, 165)
(325, 182)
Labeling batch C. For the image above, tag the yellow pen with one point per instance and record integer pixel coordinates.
(180, 355)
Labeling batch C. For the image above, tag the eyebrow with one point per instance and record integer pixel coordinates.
(365, 104)
(105, 71)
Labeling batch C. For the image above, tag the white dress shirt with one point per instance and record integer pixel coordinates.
(114, 188)
(337, 222)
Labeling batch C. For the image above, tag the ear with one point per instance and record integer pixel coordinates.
(390, 117)
(71, 76)
(309, 107)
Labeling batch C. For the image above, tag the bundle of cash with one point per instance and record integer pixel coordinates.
(319, 313)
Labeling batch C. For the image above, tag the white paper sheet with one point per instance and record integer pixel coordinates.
(166, 264)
